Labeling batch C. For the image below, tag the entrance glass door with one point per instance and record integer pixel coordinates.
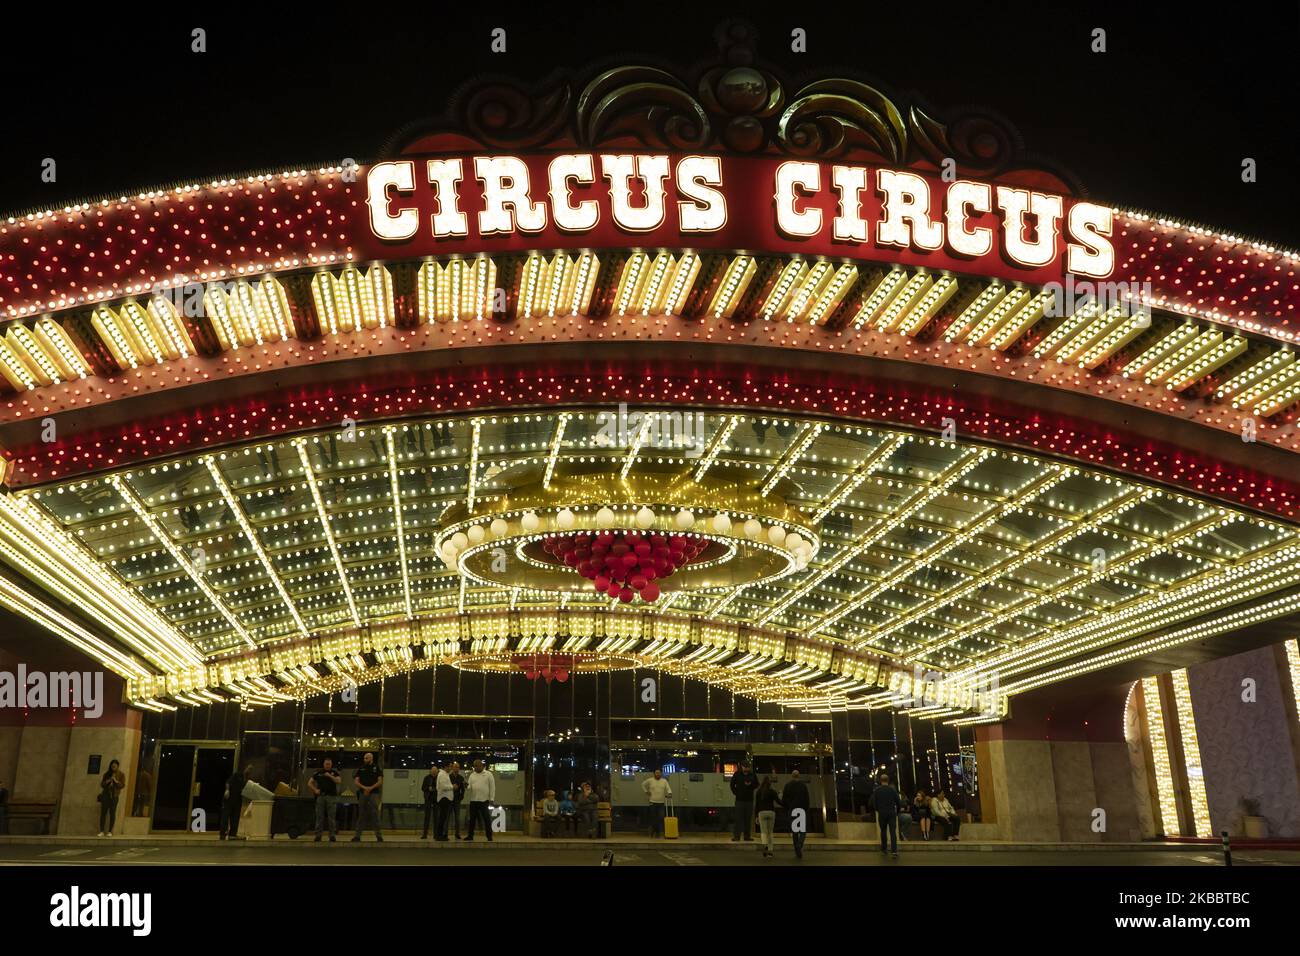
(191, 776)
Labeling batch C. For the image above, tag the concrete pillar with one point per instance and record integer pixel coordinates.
(1056, 763)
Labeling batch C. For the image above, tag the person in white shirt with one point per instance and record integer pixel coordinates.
(446, 794)
(943, 813)
(658, 792)
(481, 789)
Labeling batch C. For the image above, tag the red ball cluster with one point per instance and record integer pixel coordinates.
(624, 564)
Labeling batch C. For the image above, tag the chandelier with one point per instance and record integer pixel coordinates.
(625, 564)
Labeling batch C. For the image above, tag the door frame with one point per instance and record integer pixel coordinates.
(232, 745)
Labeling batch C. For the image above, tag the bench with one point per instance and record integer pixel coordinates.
(43, 813)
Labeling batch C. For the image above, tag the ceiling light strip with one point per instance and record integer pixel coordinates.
(966, 461)
(1040, 485)
(237, 509)
(395, 488)
(128, 495)
(472, 480)
(554, 454)
(48, 553)
(716, 445)
(310, 475)
(875, 458)
(1056, 538)
(642, 434)
(806, 436)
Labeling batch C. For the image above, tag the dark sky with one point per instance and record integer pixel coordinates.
(1160, 122)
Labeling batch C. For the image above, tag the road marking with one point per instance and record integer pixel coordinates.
(683, 859)
(131, 853)
(68, 852)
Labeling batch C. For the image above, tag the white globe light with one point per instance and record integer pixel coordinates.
(645, 518)
(776, 534)
(604, 518)
(460, 541)
(449, 552)
(752, 528)
(476, 533)
(566, 519)
(721, 524)
(804, 550)
(684, 519)
(800, 562)
(793, 540)
(530, 522)
(499, 527)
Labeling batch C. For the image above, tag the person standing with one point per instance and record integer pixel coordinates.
(429, 787)
(887, 802)
(765, 802)
(368, 779)
(587, 807)
(943, 812)
(457, 796)
(324, 784)
(743, 784)
(658, 793)
(110, 787)
(795, 796)
(445, 794)
(232, 802)
(481, 789)
(143, 798)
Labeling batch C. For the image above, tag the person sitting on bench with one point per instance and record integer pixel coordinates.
(550, 814)
(943, 813)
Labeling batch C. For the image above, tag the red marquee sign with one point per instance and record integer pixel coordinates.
(440, 205)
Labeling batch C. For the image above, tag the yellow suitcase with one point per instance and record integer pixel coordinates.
(670, 822)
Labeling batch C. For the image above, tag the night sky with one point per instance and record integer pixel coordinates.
(1161, 122)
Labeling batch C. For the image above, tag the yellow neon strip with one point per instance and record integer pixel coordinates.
(1191, 755)
(1166, 806)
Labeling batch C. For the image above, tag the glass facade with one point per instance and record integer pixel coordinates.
(595, 728)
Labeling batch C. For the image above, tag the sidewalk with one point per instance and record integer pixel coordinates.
(626, 841)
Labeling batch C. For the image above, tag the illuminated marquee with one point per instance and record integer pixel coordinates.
(720, 201)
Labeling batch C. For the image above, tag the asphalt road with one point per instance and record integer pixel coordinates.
(344, 854)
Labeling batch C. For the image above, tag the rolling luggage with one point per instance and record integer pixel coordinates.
(670, 821)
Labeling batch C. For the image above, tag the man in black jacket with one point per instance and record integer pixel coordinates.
(232, 803)
(367, 780)
(430, 789)
(795, 798)
(457, 795)
(887, 803)
(743, 784)
(324, 785)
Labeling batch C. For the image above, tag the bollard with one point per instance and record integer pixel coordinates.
(1227, 850)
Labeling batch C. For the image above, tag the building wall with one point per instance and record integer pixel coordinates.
(1059, 760)
(45, 751)
(78, 806)
(1246, 745)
